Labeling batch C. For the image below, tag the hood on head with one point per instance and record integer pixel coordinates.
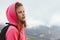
(11, 14)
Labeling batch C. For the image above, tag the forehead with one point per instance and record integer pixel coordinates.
(20, 8)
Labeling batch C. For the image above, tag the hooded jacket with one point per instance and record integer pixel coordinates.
(12, 32)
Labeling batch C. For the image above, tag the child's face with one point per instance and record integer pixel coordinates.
(20, 13)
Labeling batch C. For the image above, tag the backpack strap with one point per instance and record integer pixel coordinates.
(12, 25)
(17, 29)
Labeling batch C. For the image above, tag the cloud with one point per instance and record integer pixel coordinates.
(39, 10)
(33, 22)
(55, 20)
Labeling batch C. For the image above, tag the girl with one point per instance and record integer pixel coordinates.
(16, 15)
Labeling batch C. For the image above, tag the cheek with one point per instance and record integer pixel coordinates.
(19, 16)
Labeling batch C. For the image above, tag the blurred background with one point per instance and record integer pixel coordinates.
(42, 16)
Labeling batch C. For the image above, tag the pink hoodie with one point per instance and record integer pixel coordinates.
(12, 32)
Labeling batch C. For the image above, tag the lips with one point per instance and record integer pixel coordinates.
(23, 17)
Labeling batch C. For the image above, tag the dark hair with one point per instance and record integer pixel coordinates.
(18, 5)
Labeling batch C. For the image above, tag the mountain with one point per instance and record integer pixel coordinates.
(1, 26)
(39, 32)
(55, 32)
(42, 32)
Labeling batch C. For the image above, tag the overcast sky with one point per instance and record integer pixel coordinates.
(38, 12)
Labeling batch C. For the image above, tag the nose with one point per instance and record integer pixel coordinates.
(23, 14)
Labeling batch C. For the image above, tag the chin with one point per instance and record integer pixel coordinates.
(23, 20)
